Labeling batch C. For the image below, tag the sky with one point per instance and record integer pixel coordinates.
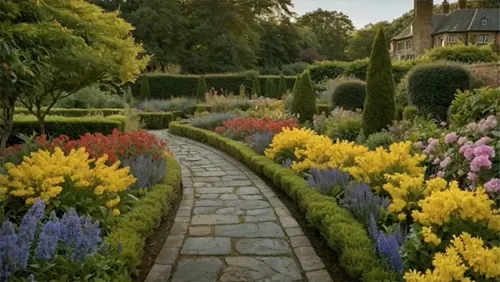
(361, 12)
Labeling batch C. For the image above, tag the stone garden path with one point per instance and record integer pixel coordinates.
(230, 225)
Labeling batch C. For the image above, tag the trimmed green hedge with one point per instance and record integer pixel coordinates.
(132, 229)
(158, 120)
(76, 112)
(350, 95)
(56, 125)
(323, 108)
(164, 86)
(342, 232)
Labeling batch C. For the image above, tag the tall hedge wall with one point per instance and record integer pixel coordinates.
(164, 86)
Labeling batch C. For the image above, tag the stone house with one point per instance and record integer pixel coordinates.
(429, 30)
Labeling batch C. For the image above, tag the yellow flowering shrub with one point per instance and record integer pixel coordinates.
(291, 140)
(372, 166)
(464, 253)
(271, 108)
(45, 175)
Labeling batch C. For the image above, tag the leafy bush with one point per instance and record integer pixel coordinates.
(379, 139)
(410, 112)
(271, 91)
(462, 53)
(379, 108)
(240, 128)
(432, 87)
(304, 99)
(325, 180)
(349, 95)
(182, 104)
(220, 103)
(158, 120)
(401, 94)
(212, 121)
(76, 112)
(269, 71)
(345, 129)
(201, 89)
(256, 87)
(91, 98)
(260, 141)
(147, 170)
(145, 91)
(471, 106)
(294, 68)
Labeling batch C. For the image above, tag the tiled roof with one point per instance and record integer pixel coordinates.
(460, 21)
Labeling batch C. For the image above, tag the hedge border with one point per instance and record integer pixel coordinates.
(342, 232)
(75, 112)
(133, 228)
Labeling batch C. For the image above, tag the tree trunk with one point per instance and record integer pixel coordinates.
(8, 118)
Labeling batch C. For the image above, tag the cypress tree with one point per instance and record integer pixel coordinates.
(128, 95)
(282, 87)
(271, 88)
(380, 107)
(201, 89)
(256, 86)
(296, 83)
(304, 99)
(145, 92)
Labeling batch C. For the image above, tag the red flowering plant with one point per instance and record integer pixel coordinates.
(242, 128)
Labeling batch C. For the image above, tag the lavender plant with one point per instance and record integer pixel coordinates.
(260, 141)
(360, 200)
(324, 180)
(173, 104)
(387, 244)
(212, 121)
(146, 170)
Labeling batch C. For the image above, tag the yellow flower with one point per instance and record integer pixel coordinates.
(430, 237)
(115, 212)
(113, 202)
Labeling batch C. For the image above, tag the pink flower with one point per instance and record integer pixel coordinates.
(440, 174)
(418, 145)
(480, 162)
(432, 146)
(484, 150)
(483, 141)
(450, 138)
(467, 151)
(493, 185)
(446, 162)
(436, 161)
(471, 176)
(462, 140)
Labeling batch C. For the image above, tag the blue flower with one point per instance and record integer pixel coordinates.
(71, 230)
(10, 253)
(49, 238)
(372, 229)
(27, 230)
(324, 180)
(388, 245)
(88, 241)
(361, 201)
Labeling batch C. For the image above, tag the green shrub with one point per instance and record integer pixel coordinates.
(76, 112)
(472, 106)
(304, 99)
(323, 108)
(462, 53)
(432, 87)
(476, 82)
(132, 229)
(349, 95)
(128, 98)
(345, 129)
(145, 91)
(183, 104)
(211, 121)
(297, 79)
(271, 89)
(156, 120)
(326, 69)
(379, 108)
(401, 95)
(256, 87)
(201, 89)
(269, 71)
(91, 97)
(357, 69)
(342, 232)
(294, 68)
(282, 89)
(379, 139)
(410, 112)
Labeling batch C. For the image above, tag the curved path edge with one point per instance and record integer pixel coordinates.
(230, 225)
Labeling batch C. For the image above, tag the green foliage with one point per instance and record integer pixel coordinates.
(211, 121)
(156, 120)
(379, 139)
(345, 129)
(343, 233)
(145, 91)
(349, 95)
(128, 98)
(297, 79)
(462, 53)
(282, 89)
(76, 112)
(256, 87)
(132, 229)
(304, 99)
(410, 112)
(379, 108)
(432, 87)
(472, 106)
(271, 91)
(183, 104)
(294, 68)
(201, 89)
(91, 98)
(401, 95)
(323, 108)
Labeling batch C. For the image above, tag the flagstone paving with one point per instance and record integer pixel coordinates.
(230, 225)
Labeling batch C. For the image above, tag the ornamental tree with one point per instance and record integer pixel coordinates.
(282, 89)
(86, 46)
(304, 99)
(201, 89)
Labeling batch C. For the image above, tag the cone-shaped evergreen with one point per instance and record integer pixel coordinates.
(145, 92)
(201, 89)
(256, 86)
(296, 83)
(380, 107)
(304, 99)
(128, 95)
(271, 91)
(282, 87)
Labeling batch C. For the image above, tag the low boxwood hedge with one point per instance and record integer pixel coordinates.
(76, 112)
(132, 229)
(157, 120)
(342, 232)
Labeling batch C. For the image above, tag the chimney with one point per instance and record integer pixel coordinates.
(422, 26)
(446, 7)
(462, 4)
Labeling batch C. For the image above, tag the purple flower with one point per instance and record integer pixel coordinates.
(446, 162)
(480, 162)
(467, 150)
(484, 150)
(27, 229)
(431, 147)
(450, 138)
(493, 185)
(388, 245)
(10, 254)
(372, 228)
(71, 230)
(87, 244)
(324, 180)
(361, 201)
(483, 141)
(49, 238)
(462, 140)
(261, 140)
(471, 176)
(418, 145)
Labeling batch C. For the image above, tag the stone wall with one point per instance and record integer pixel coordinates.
(489, 72)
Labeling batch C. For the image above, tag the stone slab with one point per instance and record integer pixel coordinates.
(250, 230)
(197, 269)
(262, 247)
(159, 273)
(260, 269)
(206, 246)
(209, 219)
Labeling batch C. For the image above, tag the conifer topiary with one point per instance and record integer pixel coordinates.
(282, 87)
(380, 107)
(349, 95)
(296, 83)
(129, 99)
(201, 89)
(271, 89)
(256, 86)
(145, 92)
(304, 99)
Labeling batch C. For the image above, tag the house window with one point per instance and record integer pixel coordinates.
(484, 21)
(483, 39)
(452, 38)
(401, 46)
(408, 44)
